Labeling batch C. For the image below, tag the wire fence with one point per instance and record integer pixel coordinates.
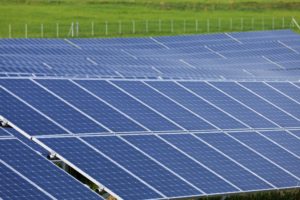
(144, 27)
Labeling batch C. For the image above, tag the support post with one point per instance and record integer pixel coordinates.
(106, 28)
(57, 30)
(231, 24)
(42, 30)
(283, 22)
(26, 31)
(252, 23)
(273, 23)
(93, 31)
(133, 26)
(9, 31)
(147, 26)
(77, 29)
(208, 25)
(159, 25)
(120, 27)
(172, 26)
(184, 26)
(196, 25)
(242, 24)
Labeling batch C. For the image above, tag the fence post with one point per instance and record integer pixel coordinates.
(231, 24)
(196, 25)
(9, 31)
(42, 30)
(273, 23)
(26, 31)
(147, 28)
(283, 22)
(159, 25)
(106, 28)
(57, 30)
(219, 24)
(208, 25)
(133, 26)
(93, 31)
(252, 23)
(172, 26)
(77, 29)
(120, 27)
(184, 26)
(242, 23)
(263, 23)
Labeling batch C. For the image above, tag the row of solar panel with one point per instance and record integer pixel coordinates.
(120, 42)
(45, 106)
(260, 68)
(191, 61)
(27, 175)
(185, 165)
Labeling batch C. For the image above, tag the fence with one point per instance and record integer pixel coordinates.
(145, 27)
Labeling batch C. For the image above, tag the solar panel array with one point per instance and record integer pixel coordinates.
(154, 118)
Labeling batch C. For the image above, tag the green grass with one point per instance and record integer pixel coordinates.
(141, 17)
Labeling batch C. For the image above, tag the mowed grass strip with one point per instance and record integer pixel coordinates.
(99, 18)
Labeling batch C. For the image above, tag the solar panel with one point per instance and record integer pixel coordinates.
(33, 175)
(151, 118)
(99, 57)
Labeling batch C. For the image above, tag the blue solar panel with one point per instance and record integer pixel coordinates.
(284, 103)
(192, 171)
(165, 106)
(26, 118)
(152, 118)
(41, 172)
(99, 57)
(4, 133)
(258, 104)
(100, 168)
(128, 105)
(288, 89)
(92, 106)
(51, 106)
(251, 160)
(285, 139)
(13, 186)
(227, 104)
(160, 178)
(31, 144)
(217, 162)
(269, 149)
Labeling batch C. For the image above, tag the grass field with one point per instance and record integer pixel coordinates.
(111, 18)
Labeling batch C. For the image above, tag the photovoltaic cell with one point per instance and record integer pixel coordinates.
(186, 167)
(258, 104)
(288, 89)
(217, 162)
(250, 160)
(27, 119)
(52, 106)
(164, 105)
(100, 168)
(270, 150)
(42, 172)
(285, 139)
(92, 106)
(275, 97)
(13, 186)
(139, 164)
(128, 105)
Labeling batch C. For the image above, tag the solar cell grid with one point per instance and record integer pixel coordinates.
(41, 172)
(124, 113)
